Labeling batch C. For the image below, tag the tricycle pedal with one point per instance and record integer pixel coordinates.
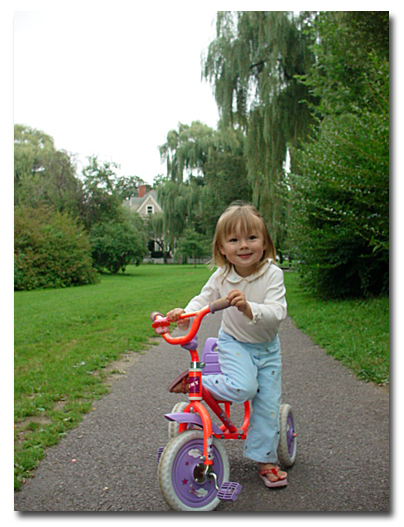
(229, 491)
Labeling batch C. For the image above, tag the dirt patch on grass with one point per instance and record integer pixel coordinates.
(29, 424)
(117, 368)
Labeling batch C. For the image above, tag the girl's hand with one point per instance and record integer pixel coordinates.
(174, 316)
(237, 299)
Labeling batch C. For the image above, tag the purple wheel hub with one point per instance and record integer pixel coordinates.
(290, 437)
(191, 486)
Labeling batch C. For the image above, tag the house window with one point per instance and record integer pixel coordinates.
(150, 209)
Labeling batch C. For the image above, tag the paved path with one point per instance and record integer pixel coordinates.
(108, 463)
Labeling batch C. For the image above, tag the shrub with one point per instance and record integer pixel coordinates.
(116, 244)
(341, 199)
(340, 190)
(50, 250)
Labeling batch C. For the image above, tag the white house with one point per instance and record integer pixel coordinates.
(145, 203)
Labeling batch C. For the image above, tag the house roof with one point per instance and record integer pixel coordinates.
(139, 204)
(138, 201)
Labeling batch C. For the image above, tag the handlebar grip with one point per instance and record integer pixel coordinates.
(154, 315)
(218, 305)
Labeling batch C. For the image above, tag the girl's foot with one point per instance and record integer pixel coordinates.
(272, 476)
(181, 387)
(180, 384)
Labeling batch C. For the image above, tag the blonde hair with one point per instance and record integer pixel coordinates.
(242, 218)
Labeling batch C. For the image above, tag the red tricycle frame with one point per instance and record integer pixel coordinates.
(197, 392)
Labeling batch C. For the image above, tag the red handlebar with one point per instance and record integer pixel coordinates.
(161, 324)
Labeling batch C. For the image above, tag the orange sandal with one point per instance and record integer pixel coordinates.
(280, 482)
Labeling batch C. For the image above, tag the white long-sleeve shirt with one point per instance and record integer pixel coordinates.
(264, 291)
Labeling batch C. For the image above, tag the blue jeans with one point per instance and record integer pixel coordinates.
(252, 371)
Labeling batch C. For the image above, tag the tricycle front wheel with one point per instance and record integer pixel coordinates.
(181, 473)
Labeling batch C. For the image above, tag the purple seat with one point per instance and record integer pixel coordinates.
(211, 358)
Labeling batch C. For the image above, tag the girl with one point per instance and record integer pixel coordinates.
(248, 344)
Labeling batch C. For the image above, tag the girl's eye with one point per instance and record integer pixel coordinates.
(252, 237)
(233, 240)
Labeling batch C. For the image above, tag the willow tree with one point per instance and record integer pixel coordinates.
(252, 64)
(206, 170)
(186, 149)
(180, 203)
(186, 152)
(225, 176)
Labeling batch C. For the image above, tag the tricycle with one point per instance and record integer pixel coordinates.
(193, 467)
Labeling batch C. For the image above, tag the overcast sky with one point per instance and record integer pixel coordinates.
(112, 83)
(112, 79)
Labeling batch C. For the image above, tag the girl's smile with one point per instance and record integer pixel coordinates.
(244, 251)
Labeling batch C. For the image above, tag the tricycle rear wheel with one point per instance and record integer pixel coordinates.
(287, 447)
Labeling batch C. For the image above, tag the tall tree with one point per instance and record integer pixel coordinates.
(252, 65)
(99, 200)
(186, 152)
(43, 175)
(187, 149)
(181, 206)
(31, 148)
(206, 171)
(340, 189)
(225, 177)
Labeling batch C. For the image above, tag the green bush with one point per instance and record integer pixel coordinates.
(340, 181)
(116, 244)
(50, 250)
(341, 197)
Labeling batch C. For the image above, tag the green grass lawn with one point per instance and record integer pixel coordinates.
(65, 338)
(356, 332)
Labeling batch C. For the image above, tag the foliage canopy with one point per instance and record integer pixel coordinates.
(252, 65)
(215, 165)
(116, 244)
(50, 250)
(55, 211)
(340, 189)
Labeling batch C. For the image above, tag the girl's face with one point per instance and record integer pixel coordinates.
(243, 249)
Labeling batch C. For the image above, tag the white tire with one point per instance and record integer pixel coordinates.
(173, 425)
(287, 447)
(180, 475)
